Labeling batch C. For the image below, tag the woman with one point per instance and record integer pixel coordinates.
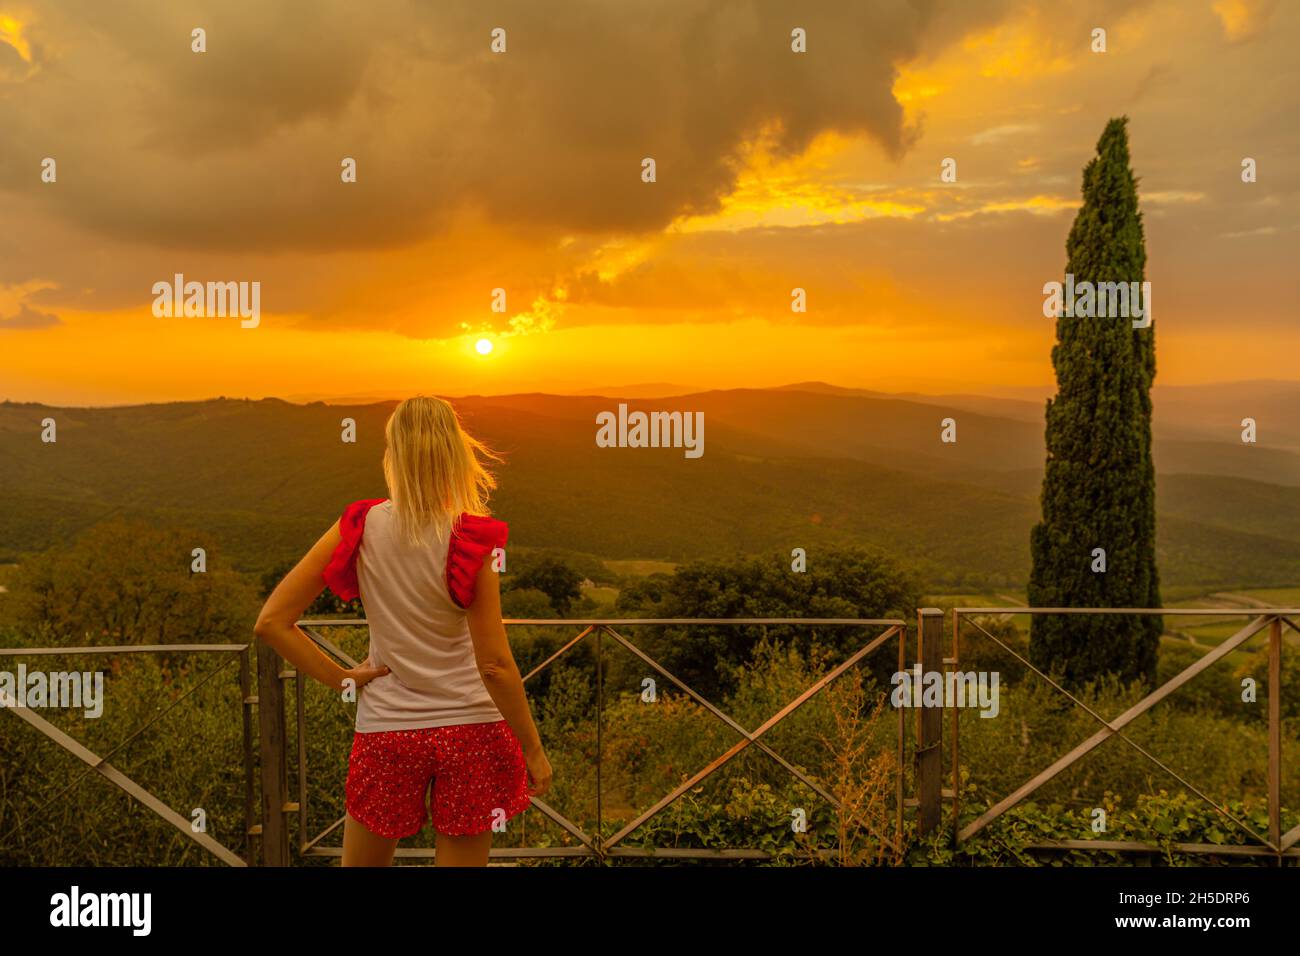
(441, 709)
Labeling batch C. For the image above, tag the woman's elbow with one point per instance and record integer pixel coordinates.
(496, 670)
(265, 628)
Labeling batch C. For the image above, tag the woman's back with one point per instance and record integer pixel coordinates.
(444, 731)
(418, 631)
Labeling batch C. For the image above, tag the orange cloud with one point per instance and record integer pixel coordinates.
(1242, 19)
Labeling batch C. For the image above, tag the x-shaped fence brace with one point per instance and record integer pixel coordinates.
(1277, 842)
(99, 764)
(593, 845)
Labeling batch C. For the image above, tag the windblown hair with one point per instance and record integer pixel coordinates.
(434, 469)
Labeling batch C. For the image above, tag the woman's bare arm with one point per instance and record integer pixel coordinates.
(496, 663)
(277, 624)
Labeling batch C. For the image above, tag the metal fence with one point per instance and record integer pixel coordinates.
(276, 809)
(99, 763)
(1276, 844)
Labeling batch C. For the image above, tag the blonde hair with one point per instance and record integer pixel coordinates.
(433, 469)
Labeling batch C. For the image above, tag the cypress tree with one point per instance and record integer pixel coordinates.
(1099, 482)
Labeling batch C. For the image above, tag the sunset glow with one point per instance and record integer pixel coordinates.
(910, 279)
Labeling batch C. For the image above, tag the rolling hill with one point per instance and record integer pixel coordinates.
(783, 468)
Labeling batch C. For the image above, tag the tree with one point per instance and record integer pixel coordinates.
(839, 583)
(555, 579)
(1099, 482)
(326, 603)
(131, 583)
(526, 603)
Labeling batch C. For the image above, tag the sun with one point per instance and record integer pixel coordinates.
(483, 346)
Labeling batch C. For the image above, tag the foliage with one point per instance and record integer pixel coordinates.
(1257, 667)
(128, 583)
(838, 583)
(55, 811)
(1161, 820)
(326, 604)
(524, 560)
(526, 603)
(554, 578)
(1223, 754)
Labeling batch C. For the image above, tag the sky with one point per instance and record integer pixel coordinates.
(522, 171)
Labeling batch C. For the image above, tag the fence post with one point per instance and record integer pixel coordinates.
(929, 723)
(1275, 734)
(275, 770)
(250, 791)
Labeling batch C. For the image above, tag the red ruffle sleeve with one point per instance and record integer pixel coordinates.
(472, 542)
(341, 572)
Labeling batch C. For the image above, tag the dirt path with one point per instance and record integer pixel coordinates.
(1236, 598)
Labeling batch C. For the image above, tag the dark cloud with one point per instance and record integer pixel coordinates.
(239, 147)
(225, 165)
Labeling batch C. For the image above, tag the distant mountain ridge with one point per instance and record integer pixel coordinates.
(1184, 412)
(782, 468)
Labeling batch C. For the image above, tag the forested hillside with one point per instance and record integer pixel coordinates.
(783, 468)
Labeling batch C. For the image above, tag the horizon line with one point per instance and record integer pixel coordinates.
(597, 393)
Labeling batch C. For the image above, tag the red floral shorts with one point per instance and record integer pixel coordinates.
(471, 776)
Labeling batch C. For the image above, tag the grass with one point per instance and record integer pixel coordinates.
(1004, 597)
(1278, 597)
(603, 595)
(1209, 632)
(1186, 595)
(638, 567)
(1234, 659)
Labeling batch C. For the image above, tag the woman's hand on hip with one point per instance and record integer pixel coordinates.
(364, 673)
(539, 772)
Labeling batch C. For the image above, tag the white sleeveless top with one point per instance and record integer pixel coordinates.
(418, 632)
